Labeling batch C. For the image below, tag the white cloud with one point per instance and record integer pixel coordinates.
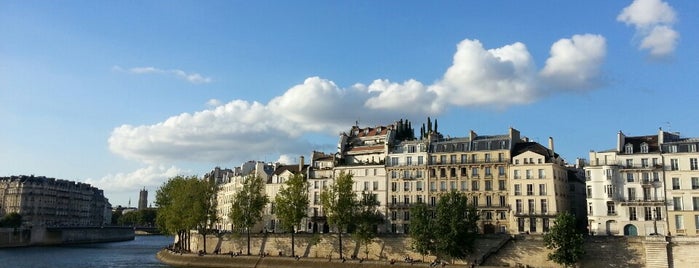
(653, 20)
(193, 78)
(575, 63)
(494, 77)
(240, 130)
(149, 177)
(213, 103)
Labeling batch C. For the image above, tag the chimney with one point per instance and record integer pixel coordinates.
(301, 164)
(551, 144)
(620, 140)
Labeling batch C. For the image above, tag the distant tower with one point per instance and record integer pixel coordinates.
(143, 199)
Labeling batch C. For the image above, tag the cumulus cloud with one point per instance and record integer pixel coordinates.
(653, 20)
(193, 78)
(241, 130)
(149, 177)
(574, 63)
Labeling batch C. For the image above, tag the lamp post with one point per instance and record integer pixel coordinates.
(656, 184)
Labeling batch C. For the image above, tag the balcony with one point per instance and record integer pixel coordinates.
(539, 214)
(629, 168)
(641, 202)
(398, 205)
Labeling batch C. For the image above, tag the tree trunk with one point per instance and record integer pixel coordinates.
(204, 235)
(293, 254)
(248, 241)
(340, 233)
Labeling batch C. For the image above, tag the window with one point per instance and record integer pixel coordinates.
(520, 224)
(532, 206)
(316, 198)
(589, 191)
(433, 186)
(487, 157)
(452, 159)
(674, 164)
(406, 186)
(695, 203)
(376, 185)
(695, 183)
(528, 173)
(442, 185)
(474, 172)
(544, 206)
(464, 186)
(502, 201)
(675, 183)
(433, 159)
(489, 215)
(419, 199)
(501, 171)
(693, 164)
(406, 199)
(394, 186)
(677, 203)
(611, 209)
(418, 174)
(408, 160)
(632, 214)
(658, 213)
(366, 186)
(545, 222)
(517, 175)
(644, 162)
(452, 172)
(488, 173)
(672, 148)
(532, 225)
(433, 201)
(474, 186)
(488, 201)
(411, 148)
(530, 189)
(518, 189)
(443, 159)
(542, 174)
(628, 149)
(518, 206)
(406, 215)
(418, 186)
(394, 174)
(610, 191)
(420, 160)
(394, 215)
(474, 201)
(463, 159)
(629, 177)
(501, 185)
(644, 148)
(542, 189)
(452, 186)
(679, 222)
(629, 162)
(488, 185)
(632, 194)
(502, 215)
(394, 200)
(648, 214)
(501, 157)
(589, 209)
(394, 161)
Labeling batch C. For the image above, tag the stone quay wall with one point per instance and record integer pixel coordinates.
(495, 251)
(65, 235)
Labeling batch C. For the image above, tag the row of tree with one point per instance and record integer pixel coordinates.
(447, 230)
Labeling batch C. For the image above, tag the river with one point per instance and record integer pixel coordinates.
(137, 253)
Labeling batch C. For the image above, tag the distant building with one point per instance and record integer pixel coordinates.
(52, 202)
(143, 199)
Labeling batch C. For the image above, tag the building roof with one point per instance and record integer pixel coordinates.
(651, 140)
(294, 169)
(535, 147)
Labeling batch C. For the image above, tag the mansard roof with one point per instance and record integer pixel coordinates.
(535, 147)
(294, 169)
(370, 131)
(651, 140)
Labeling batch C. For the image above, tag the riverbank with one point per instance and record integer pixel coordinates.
(41, 236)
(228, 261)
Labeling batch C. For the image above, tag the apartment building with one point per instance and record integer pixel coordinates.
(625, 187)
(273, 185)
(406, 168)
(320, 176)
(681, 168)
(51, 202)
(540, 187)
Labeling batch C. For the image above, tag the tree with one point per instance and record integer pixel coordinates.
(185, 203)
(421, 229)
(339, 204)
(292, 203)
(454, 226)
(11, 220)
(367, 220)
(565, 240)
(248, 204)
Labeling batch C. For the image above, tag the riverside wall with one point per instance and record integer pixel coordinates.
(10, 237)
(492, 251)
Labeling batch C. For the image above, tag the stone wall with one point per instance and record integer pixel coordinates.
(60, 236)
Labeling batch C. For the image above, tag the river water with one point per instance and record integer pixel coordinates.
(133, 254)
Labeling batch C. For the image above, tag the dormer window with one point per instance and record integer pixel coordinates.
(628, 149)
(644, 148)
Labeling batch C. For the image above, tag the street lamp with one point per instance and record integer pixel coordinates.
(656, 184)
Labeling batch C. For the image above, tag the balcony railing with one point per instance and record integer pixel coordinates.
(641, 202)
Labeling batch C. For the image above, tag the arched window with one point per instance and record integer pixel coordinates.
(628, 149)
(644, 147)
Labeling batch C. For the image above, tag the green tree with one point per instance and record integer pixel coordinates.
(185, 203)
(248, 205)
(11, 220)
(454, 226)
(292, 204)
(367, 220)
(339, 204)
(565, 240)
(421, 229)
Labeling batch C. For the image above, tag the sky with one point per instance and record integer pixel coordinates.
(126, 94)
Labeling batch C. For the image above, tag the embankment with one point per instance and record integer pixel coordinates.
(63, 235)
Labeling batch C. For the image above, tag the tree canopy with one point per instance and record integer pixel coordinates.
(367, 220)
(565, 240)
(11, 220)
(248, 205)
(451, 233)
(339, 204)
(185, 203)
(292, 204)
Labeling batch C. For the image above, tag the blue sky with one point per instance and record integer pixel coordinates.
(125, 94)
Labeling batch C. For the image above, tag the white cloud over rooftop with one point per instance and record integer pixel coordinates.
(241, 130)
